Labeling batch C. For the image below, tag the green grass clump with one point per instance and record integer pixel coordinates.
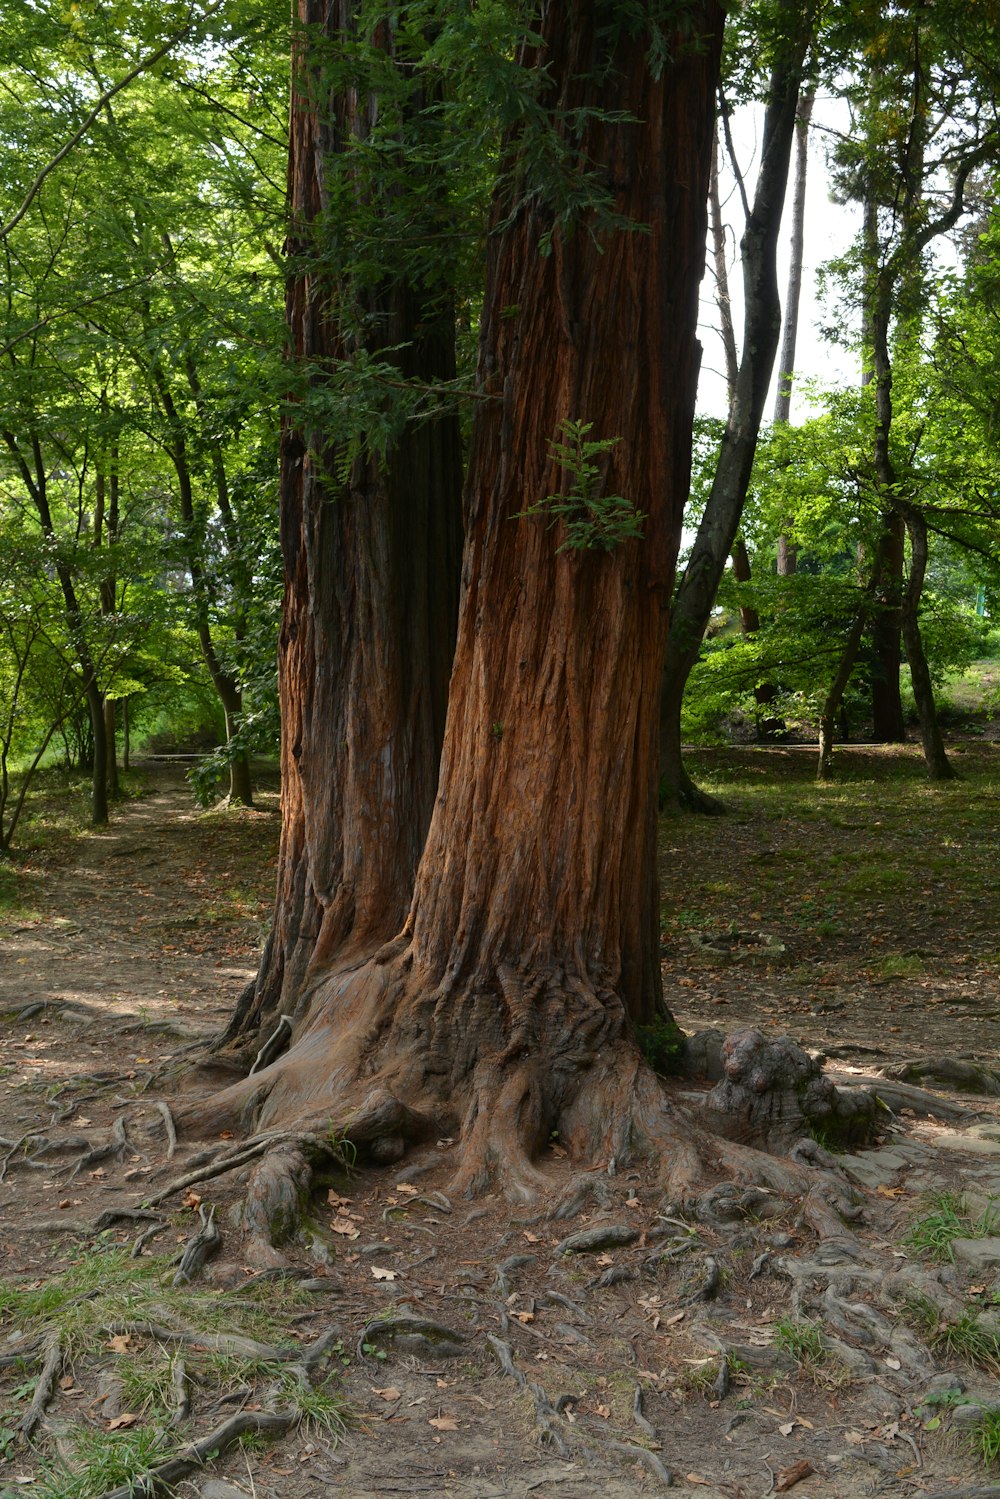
(947, 1220)
(986, 1439)
(102, 1460)
(803, 1340)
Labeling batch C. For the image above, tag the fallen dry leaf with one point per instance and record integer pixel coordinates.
(127, 1418)
(604, 1411)
(405, 1189)
(191, 1199)
(120, 1342)
(525, 1317)
(346, 1227)
(389, 1393)
(605, 1259)
(632, 1202)
(893, 1363)
(695, 1478)
(67, 1382)
(443, 1423)
(381, 1274)
(532, 1238)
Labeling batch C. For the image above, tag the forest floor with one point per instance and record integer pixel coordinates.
(860, 918)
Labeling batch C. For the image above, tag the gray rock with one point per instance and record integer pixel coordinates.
(945, 1384)
(216, 1488)
(966, 1415)
(977, 1254)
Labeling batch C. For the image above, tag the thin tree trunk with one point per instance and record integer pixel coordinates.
(694, 598)
(111, 755)
(787, 553)
(939, 768)
(888, 723)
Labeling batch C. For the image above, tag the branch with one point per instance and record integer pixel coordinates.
(731, 152)
(142, 66)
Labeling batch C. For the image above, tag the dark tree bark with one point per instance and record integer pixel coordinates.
(888, 723)
(504, 1007)
(939, 767)
(695, 596)
(371, 593)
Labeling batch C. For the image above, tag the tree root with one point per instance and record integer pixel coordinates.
(45, 1387)
(649, 1460)
(231, 1344)
(165, 1475)
(206, 1242)
(181, 1392)
(118, 1146)
(168, 1125)
(505, 1357)
(644, 1426)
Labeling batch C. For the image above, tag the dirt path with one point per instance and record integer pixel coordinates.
(151, 928)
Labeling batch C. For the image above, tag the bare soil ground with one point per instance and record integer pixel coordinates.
(134, 942)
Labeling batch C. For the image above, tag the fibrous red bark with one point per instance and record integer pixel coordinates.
(371, 570)
(504, 1008)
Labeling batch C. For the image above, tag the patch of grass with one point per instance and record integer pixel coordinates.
(105, 1286)
(967, 1339)
(803, 1340)
(985, 1439)
(897, 965)
(101, 1461)
(946, 1220)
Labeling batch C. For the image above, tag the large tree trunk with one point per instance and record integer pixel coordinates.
(504, 1008)
(761, 329)
(371, 593)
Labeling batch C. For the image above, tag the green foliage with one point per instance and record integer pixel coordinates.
(591, 520)
(662, 1044)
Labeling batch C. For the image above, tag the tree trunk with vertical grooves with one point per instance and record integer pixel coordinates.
(504, 1008)
(372, 571)
(695, 596)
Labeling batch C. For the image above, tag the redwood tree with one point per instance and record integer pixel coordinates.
(505, 1006)
(371, 540)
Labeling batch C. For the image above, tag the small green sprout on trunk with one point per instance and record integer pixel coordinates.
(593, 521)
